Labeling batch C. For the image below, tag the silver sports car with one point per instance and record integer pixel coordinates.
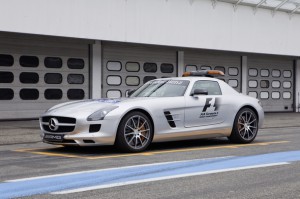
(190, 107)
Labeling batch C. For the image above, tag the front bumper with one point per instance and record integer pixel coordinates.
(82, 134)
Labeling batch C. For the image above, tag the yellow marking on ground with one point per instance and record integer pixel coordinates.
(234, 146)
(56, 154)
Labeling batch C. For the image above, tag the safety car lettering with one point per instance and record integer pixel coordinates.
(210, 108)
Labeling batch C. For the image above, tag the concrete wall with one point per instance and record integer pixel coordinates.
(187, 23)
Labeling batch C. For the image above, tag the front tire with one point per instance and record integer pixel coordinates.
(245, 126)
(135, 132)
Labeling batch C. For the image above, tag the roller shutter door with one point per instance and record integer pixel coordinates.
(37, 73)
(270, 79)
(128, 66)
(230, 64)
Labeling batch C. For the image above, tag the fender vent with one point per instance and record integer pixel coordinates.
(170, 119)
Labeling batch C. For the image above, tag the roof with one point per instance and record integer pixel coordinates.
(289, 6)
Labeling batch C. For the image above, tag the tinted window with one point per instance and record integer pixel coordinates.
(276, 73)
(233, 71)
(75, 79)
(6, 94)
(29, 78)
(132, 80)
(114, 66)
(29, 94)
(132, 66)
(287, 73)
(53, 78)
(29, 61)
(6, 60)
(6, 77)
(233, 83)
(264, 95)
(264, 73)
(75, 63)
(189, 68)
(167, 68)
(264, 84)
(75, 94)
(205, 67)
(114, 80)
(53, 62)
(53, 94)
(114, 94)
(148, 78)
(253, 72)
(252, 84)
(150, 67)
(253, 94)
(212, 87)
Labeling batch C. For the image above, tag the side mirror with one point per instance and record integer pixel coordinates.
(130, 92)
(200, 92)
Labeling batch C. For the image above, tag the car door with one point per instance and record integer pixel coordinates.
(207, 109)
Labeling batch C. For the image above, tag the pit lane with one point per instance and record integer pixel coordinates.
(20, 161)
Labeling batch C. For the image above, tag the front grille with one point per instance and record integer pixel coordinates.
(65, 124)
(61, 129)
(69, 120)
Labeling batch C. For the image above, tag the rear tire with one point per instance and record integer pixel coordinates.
(135, 132)
(245, 126)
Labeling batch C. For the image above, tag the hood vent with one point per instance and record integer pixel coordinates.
(170, 119)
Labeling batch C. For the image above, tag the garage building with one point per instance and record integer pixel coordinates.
(57, 51)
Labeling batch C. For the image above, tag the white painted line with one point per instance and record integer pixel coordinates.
(165, 178)
(111, 169)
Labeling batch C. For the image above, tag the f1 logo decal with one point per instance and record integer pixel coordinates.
(208, 104)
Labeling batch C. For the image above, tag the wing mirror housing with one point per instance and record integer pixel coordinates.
(199, 92)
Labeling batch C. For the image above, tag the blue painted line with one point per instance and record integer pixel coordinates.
(46, 185)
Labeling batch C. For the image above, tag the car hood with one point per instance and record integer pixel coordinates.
(82, 107)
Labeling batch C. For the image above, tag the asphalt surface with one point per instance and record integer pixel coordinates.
(24, 156)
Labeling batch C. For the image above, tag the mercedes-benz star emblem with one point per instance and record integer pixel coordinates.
(53, 124)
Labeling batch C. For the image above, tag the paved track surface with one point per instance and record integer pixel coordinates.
(213, 168)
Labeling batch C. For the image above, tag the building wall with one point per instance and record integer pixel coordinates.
(185, 23)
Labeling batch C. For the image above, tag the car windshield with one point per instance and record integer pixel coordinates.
(162, 88)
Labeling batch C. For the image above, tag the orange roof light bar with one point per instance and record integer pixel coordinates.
(215, 72)
(208, 73)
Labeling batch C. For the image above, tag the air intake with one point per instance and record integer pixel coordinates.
(170, 119)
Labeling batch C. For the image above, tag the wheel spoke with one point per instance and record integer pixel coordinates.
(144, 130)
(142, 125)
(243, 128)
(145, 137)
(129, 127)
(135, 142)
(251, 132)
(131, 139)
(132, 120)
(252, 121)
(249, 118)
(128, 134)
(141, 141)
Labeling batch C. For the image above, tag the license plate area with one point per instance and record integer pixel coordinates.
(53, 137)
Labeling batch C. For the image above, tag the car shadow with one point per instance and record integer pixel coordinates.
(154, 147)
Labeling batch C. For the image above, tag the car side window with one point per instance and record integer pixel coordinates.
(212, 87)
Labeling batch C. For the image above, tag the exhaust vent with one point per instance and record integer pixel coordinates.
(170, 119)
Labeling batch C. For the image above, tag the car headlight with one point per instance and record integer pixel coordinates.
(100, 114)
